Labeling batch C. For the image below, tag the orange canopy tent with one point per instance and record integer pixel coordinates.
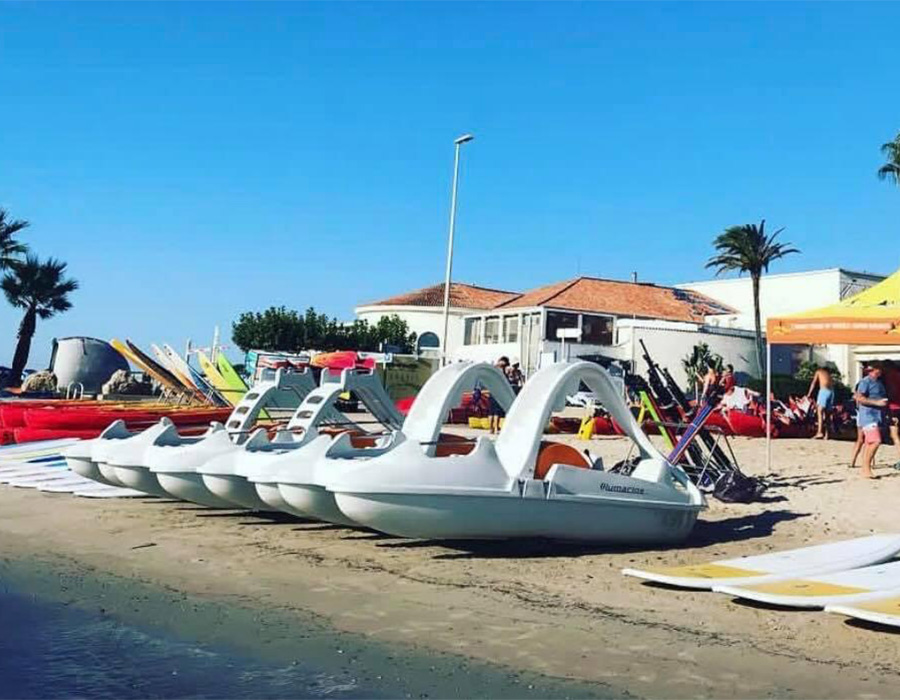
(871, 317)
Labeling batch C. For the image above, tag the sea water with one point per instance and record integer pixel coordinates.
(51, 650)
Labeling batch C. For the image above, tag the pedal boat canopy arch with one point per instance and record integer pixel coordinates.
(871, 317)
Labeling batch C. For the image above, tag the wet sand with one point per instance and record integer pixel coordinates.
(548, 608)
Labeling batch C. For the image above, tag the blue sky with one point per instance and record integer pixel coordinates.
(194, 161)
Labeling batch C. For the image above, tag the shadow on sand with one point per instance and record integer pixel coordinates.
(705, 534)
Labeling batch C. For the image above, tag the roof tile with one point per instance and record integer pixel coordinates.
(591, 294)
(465, 296)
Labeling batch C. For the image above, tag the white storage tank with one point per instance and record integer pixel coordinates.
(86, 361)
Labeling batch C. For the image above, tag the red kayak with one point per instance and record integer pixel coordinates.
(746, 424)
(342, 359)
(84, 418)
(603, 425)
(718, 420)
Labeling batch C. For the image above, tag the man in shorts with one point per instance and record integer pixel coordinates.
(824, 401)
(871, 400)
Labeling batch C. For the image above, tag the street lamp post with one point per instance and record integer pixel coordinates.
(465, 138)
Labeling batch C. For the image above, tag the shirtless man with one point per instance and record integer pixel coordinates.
(824, 401)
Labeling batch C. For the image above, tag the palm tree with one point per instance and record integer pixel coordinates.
(891, 169)
(748, 249)
(42, 290)
(10, 248)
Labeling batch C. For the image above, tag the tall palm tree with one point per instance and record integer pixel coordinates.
(891, 169)
(749, 249)
(10, 248)
(40, 288)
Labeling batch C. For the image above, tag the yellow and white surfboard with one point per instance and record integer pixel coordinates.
(749, 571)
(817, 591)
(883, 609)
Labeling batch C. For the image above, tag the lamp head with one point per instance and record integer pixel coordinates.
(465, 138)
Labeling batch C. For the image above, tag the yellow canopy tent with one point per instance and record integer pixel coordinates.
(871, 317)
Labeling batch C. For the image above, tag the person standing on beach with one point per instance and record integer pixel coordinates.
(824, 401)
(496, 412)
(871, 400)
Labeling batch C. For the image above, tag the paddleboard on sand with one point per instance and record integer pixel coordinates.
(817, 591)
(33, 447)
(218, 381)
(195, 376)
(883, 609)
(166, 363)
(229, 373)
(164, 379)
(793, 563)
(110, 492)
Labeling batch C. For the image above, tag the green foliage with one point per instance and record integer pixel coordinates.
(784, 386)
(807, 369)
(10, 248)
(284, 330)
(276, 328)
(697, 362)
(749, 249)
(39, 287)
(42, 290)
(891, 169)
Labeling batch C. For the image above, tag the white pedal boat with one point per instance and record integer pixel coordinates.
(495, 491)
(116, 458)
(246, 475)
(302, 480)
(172, 459)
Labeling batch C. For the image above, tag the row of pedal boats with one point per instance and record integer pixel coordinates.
(409, 478)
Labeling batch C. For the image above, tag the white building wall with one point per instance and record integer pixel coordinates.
(787, 294)
(669, 344)
(422, 320)
(778, 294)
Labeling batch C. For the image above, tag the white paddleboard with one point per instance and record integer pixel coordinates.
(29, 457)
(27, 473)
(806, 561)
(110, 492)
(883, 609)
(817, 591)
(40, 445)
(30, 481)
(64, 485)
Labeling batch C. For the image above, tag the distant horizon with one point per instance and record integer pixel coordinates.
(192, 161)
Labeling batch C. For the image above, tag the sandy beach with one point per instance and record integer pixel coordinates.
(546, 608)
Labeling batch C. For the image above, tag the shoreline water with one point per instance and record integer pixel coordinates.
(285, 654)
(542, 608)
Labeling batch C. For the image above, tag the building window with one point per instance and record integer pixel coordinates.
(472, 331)
(596, 330)
(557, 320)
(429, 340)
(492, 329)
(510, 329)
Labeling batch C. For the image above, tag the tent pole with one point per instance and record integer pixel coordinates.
(768, 407)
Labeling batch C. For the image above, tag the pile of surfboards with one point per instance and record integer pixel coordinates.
(41, 466)
(858, 578)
